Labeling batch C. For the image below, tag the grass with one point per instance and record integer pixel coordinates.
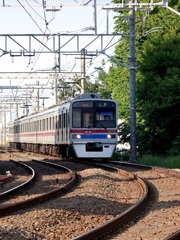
(161, 161)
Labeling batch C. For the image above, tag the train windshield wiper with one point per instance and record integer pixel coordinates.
(102, 125)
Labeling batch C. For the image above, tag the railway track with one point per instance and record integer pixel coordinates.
(103, 230)
(6, 207)
(87, 216)
(22, 185)
(139, 170)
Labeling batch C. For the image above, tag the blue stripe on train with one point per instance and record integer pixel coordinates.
(96, 136)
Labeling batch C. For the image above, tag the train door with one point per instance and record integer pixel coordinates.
(59, 125)
(64, 127)
(67, 125)
(36, 130)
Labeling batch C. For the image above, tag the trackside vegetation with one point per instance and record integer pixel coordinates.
(157, 83)
(161, 161)
(157, 49)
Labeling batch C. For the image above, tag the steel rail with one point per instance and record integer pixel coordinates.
(44, 197)
(22, 185)
(99, 231)
(174, 236)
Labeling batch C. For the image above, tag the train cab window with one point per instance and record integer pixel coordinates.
(105, 118)
(82, 114)
(76, 118)
(104, 115)
(87, 118)
(89, 114)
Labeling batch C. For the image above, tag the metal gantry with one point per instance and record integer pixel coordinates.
(25, 46)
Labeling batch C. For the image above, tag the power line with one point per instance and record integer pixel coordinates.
(30, 15)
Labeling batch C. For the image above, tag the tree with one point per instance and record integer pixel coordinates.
(158, 92)
(157, 52)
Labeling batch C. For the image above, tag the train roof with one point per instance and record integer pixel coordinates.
(87, 95)
(54, 107)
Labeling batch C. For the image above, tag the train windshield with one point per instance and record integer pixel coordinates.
(94, 114)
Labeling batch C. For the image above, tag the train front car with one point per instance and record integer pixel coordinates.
(93, 126)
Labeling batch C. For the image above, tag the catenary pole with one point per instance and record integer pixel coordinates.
(132, 74)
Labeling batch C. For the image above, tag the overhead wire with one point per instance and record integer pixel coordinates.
(41, 47)
(29, 15)
(34, 61)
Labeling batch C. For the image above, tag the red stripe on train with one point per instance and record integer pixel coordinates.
(93, 131)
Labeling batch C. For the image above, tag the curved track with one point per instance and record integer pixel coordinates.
(22, 185)
(111, 225)
(167, 172)
(20, 205)
(148, 193)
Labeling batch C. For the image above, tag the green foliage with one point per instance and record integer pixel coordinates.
(119, 89)
(158, 93)
(161, 161)
(157, 77)
(175, 150)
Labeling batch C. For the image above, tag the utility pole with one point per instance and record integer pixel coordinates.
(83, 70)
(132, 76)
(17, 110)
(55, 81)
(37, 97)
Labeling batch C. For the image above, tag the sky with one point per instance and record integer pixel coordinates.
(30, 17)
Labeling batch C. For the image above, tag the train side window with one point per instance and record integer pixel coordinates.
(56, 122)
(64, 120)
(50, 119)
(59, 120)
(67, 119)
(53, 119)
(43, 125)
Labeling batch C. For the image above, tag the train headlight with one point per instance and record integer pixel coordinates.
(76, 136)
(109, 136)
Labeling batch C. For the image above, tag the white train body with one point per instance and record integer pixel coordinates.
(85, 127)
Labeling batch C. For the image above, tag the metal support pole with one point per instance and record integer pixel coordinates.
(55, 81)
(83, 87)
(95, 16)
(37, 97)
(132, 72)
(17, 111)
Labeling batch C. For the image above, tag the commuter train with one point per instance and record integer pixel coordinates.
(84, 127)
